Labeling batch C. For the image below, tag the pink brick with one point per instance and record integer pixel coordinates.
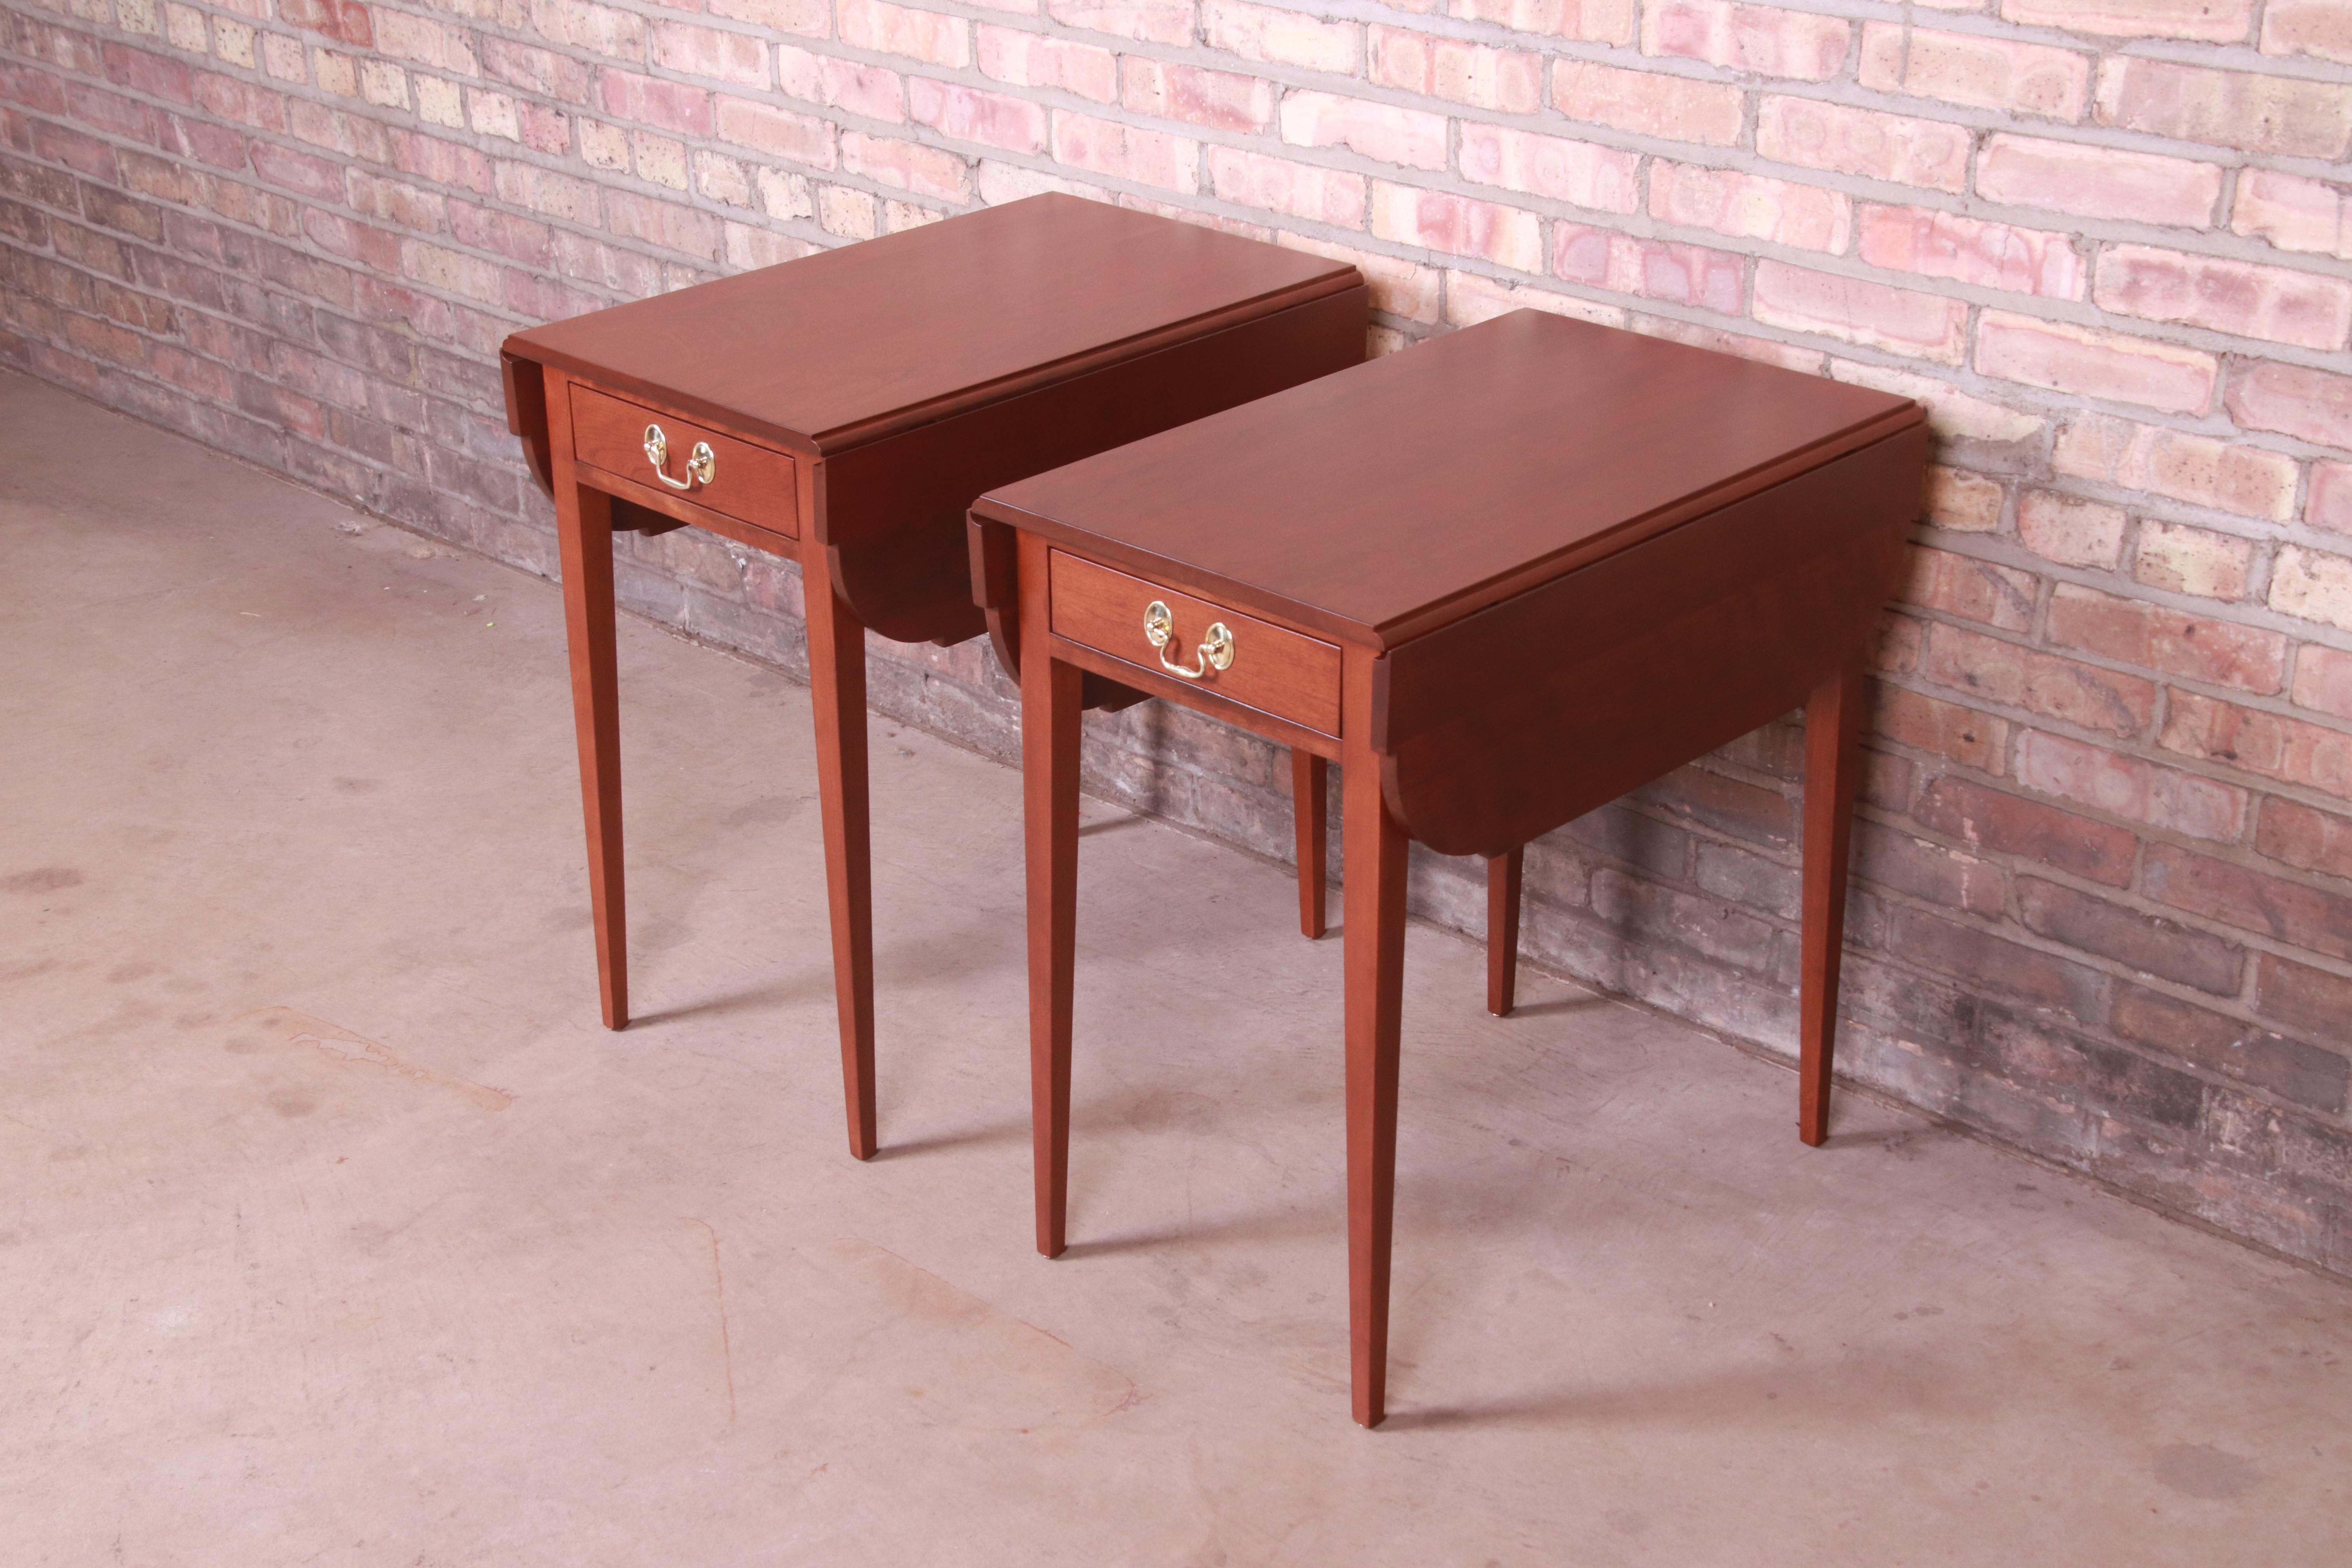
(2285, 116)
(1974, 590)
(667, 224)
(1151, 21)
(1591, 21)
(1220, 99)
(2093, 363)
(1922, 326)
(2210, 21)
(1761, 39)
(1972, 250)
(1577, 173)
(926, 171)
(2320, 28)
(2225, 296)
(1439, 220)
(2294, 401)
(2097, 182)
(2190, 560)
(1648, 102)
(1506, 79)
(2313, 585)
(1965, 502)
(705, 51)
(1278, 185)
(803, 138)
(1277, 37)
(2069, 531)
(808, 18)
(1967, 736)
(2169, 642)
(1653, 268)
(1146, 157)
(1027, 60)
(1860, 142)
(2323, 680)
(1992, 670)
(2294, 213)
(927, 36)
(1751, 206)
(604, 29)
(669, 105)
(966, 114)
(2131, 788)
(345, 21)
(2228, 476)
(1982, 72)
(2331, 496)
(876, 92)
(2270, 744)
(1380, 132)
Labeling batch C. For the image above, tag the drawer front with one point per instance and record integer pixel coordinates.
(746, 482)
(1273, 669)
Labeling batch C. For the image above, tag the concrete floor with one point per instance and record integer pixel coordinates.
(336, 1230)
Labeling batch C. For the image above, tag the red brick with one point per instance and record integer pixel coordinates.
(1439, 220)
(803, 138)
(2301, 997)
(443, 162)
(1975, 590)
(1980, 72)
(2017, 676)
(1862, 142)
(2097, 182)
(1656, 269)
(2211, 21)
(1728, 805)
(2294, 213)
(2130, 786)
(83, 155)
(2196, 561)
(968, 114)
(1920, 326)
(155, 75)
(1253, 180)
(2225, 296)
(1990, 963)
(1106, 147)
(2227, 476)
(2313, 585)
(1971, 737)
(1924, 870)
(2321, 28)
(1603, 179)
(2168, 641)
(1510, 80)
(2293, 400)
(1380, 132)
(737, 57)
(2233, 1047)
(1027, 60)
(1989, 255)
(2069, 531)
(926, 171)
(2148, 943)
(1222, 100)
(2295, 834)
(318, 177)
(2323, 680)
(2331, 496)
(1965, 502)
(1648, 102)
(2291, 912)
(2093, 364)
(99, 109)
(345, 21)
(2282, 116)
(1748, 206)
(647, 100)
(927, 36)
(2270, 744)
(1761, 39)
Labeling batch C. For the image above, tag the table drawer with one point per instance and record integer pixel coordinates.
(750, 483)
(1273, 668)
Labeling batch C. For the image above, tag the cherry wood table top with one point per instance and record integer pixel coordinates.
(1393, 498)
(846, 346)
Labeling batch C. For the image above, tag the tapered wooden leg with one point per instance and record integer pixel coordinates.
(836, 643)
(583, 522)
(1310, 811)
(1372, 883)
(1832, 765)
(1503, 930)
(1049, 793)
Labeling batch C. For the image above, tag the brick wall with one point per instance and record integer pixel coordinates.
(2105, 910)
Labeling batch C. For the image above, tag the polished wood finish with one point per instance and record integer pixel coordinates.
(1832, 768)
(1310, 811)
(1274, 670)
(1504, 874)
(857, 400)
(749, 482)
(1556, 561)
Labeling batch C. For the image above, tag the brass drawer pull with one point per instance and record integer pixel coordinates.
(1216, 649)
(701, 463)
